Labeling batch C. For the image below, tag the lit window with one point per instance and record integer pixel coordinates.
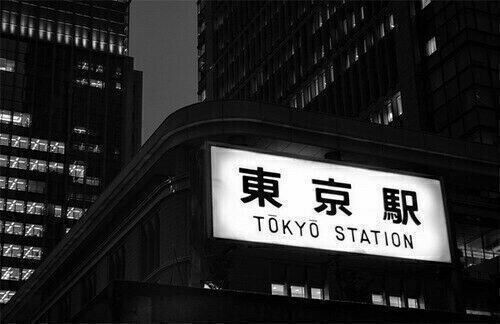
(353, 20)
(13, 228)
(32, 252)
(316, 293)
(80, 130)
(39, 144)
(57, 147)
(430, 46)
(298, 291)
(11, 250)
(19, 141)
(3, 183)
(332, 74)
(56, 210)
(391, 22)
(381, 30)
(18, 163)
(395, 301)
(323, 79)
(35, 208)
(33, 230)
(5, 116)
(74, 213)
(203, 95)
(347, 61)
(9, 273)
(17, 184)
(378, 299)
(362, 12)
(94, 148)
(412, 303)
(82, 81)
(7, 65)
(16, 206)
(6, 295)
(421, 303)
(99, 68)
(278, 289)
(344, 25)
(388, 113)
(27, 273)
(92, 181)
(21, 119)
(356, 54)
(97, 83)
(67, 229)
(78, 180)
(118, 86)
(210, 285)
(4, 139)
(38, 165)
(397, 104)
(79, 147)
(477, 312)
(82, 65)
(56, 167)
(425, 3)
(77, 170)
(3, 160)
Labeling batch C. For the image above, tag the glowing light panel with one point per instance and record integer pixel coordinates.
(273, 199)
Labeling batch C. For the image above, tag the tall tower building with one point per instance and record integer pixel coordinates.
(422, 65)
(70, 118)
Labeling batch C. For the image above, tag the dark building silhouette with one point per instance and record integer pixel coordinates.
(144, 253)
(422, 65)
(70, 118)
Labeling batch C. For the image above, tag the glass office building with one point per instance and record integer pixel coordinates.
(70, 118)
(429, 66)
(422, 65)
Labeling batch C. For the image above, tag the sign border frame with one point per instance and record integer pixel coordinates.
(207, 146)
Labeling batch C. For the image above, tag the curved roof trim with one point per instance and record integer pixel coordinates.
(180, 127)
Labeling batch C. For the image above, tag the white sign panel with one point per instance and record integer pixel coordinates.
(273, 199)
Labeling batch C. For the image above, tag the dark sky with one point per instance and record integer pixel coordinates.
(163, 40)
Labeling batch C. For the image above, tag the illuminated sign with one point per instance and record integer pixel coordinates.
(274, 199)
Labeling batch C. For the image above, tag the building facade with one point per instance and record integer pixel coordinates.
(144, 251)
(422, 65)
(70, 118)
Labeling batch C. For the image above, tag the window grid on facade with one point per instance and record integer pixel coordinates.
(110, 36)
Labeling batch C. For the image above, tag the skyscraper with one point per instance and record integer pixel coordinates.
(70, 113)
(422, 65)
(427, 66)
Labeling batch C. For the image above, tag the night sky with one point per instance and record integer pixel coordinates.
(163, 39)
